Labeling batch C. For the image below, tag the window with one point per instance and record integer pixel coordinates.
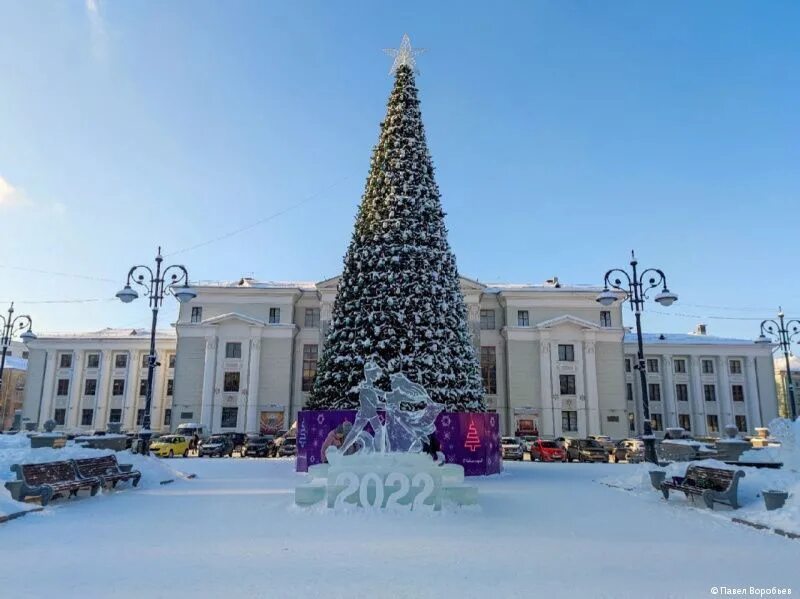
(631, 422)
(685, 422)
(569, 420)
(710, 392)
(737, 392)
(121, 361)
(523, 318)
(60, 416)
(735, 366)
(627, 364)
(26, 355)
(680, 365)
(171, 361)
(605, 318)
(229, 417)
(655, 422)
(86, 417)
(118, 387)
(487, 320)
(741, 423)
(654, 391)
(167, 417)
(65, 361)
(566, 353)
(90, 387)
(489, 369)
(629, 391)
(170, 387)
(197, 314)
(142, 387)
(312, 318)
(712, 422)
(652, 365)
(92, 360)
(310, 354)
(708, 366)
(140, 417)
(233, 350)
(62, 388)
(187, 415)
(231, 382)
(682, 392)
(566, 383)
(274, 315)
(115, 415)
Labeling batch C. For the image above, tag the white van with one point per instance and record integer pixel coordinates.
(190, 429)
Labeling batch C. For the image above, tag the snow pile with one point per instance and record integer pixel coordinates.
(16, 449)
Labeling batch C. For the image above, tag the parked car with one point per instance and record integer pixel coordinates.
(216, 446)
(629, 450)
(512, 448)
(605, 442)
(288, 447)
(547, 451)
(189, 430)
(586, 450)
(238, 440)
(169, 446)
(528, 442)
(259, 446)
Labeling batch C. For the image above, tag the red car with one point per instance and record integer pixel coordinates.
(547, 451)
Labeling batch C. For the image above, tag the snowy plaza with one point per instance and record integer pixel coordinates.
(549, 529)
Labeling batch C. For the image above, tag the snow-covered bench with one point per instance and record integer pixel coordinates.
(52, 479)
(107, 469)
(714, 485)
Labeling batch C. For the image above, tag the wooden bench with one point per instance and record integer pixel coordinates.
(107, 469)
(714, 485)
(53, 479)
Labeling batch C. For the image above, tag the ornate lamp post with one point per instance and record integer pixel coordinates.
(156, 285)
(11, 325)
(635, 287)
(783, 332)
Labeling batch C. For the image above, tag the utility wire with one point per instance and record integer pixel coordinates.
(64, 301)
(56, 273)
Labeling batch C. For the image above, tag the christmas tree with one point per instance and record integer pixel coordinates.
(399, 302)
(472, 441)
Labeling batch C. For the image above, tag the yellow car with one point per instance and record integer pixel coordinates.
(169, 446)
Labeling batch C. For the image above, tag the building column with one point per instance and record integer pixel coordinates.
(751, 398)
(669, 400)
(157, 403)
(75, 392)
(48, 389)
(209, 370)
(549, 425)
(725, 396)
(103, 397)
(593, 424)
(698, 400)
(129, 399)
(252, 423)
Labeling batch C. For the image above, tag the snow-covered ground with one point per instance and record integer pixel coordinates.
(550, 530)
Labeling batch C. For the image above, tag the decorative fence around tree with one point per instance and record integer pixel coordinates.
(471, 439)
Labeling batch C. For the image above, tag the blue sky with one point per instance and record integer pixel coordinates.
(564, 135)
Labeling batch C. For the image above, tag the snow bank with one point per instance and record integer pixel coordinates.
(16, 449)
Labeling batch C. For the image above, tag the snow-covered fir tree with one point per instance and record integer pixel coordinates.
(399, 301)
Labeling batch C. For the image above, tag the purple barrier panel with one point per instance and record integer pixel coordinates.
(469, 439)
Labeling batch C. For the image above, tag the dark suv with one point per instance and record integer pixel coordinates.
(259, 446)
(586, 450)
(238, 440)
(216, 446)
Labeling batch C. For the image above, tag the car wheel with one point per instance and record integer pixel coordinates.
(186, 453)
(171, 453)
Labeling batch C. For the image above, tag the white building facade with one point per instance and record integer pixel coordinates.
(245, 353)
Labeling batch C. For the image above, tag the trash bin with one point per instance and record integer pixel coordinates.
(656, 478)
(774, 500)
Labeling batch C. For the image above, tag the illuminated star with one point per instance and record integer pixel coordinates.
(404, 55)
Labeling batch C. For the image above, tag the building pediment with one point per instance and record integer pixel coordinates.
(234, 317)
(568, 320)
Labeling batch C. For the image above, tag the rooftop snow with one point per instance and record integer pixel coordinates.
(254, 284)
(685, 339)
(109, 333)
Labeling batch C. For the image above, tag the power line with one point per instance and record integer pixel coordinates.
(56, 273)
(707, 316)
(64, 301)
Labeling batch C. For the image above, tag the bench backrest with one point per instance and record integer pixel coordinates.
(106, 464)
(51, 472)
(703, 477)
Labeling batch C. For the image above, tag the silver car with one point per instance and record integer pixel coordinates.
(512, 448)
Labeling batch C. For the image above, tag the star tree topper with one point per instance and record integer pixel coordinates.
(404, 55)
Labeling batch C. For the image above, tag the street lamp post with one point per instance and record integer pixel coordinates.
(783, 332)
(635, 287)
(11, 325)
(156, 286)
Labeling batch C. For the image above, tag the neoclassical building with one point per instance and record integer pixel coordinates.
(243, 357)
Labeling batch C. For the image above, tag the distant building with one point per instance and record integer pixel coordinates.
(781, 382)
(12, 391)
(555, 362)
